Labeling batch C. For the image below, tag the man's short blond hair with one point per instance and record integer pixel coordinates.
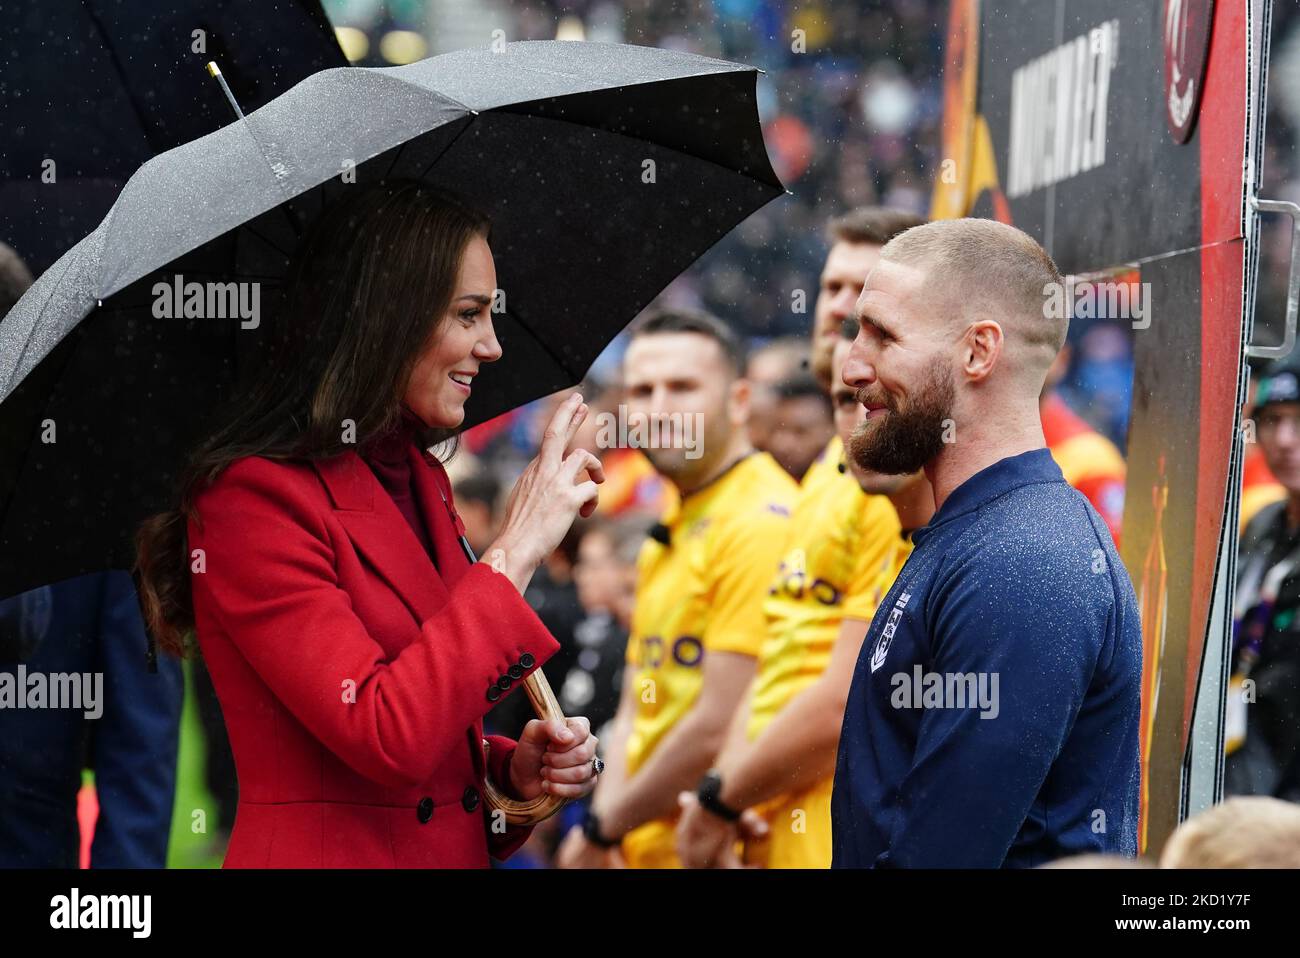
(1244, 832)
(977, 268)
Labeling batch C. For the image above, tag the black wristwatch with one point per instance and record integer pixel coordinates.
(591, 829)
(708, 792)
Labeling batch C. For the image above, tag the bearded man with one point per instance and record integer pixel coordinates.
(993, 715)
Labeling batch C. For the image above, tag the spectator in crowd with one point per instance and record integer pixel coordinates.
(606, 579)
(15, 277)
(1259, 487)
(1263, 721)
(1088, 460)
(88, 628)
(802, 424)
(770, 365)
(477, 498)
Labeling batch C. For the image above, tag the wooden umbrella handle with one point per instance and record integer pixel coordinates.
(544, 805)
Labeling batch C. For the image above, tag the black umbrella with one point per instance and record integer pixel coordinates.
(607, 170)
(97, 87)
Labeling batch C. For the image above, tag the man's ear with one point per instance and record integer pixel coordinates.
(738, 397)
(981, 348)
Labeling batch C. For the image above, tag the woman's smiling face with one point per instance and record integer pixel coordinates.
(441, 380)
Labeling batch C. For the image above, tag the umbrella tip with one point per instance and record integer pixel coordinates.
(214, 71)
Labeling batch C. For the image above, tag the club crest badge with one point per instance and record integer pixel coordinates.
(886, 637)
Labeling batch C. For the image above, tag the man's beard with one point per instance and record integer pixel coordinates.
(904, 441)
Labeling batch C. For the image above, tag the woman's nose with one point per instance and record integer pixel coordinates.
(488, 350)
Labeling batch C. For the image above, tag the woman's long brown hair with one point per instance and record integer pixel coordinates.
(367, 291)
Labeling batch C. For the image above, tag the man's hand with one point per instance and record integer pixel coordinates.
(577, 852)
(706, 841)
(702, 837)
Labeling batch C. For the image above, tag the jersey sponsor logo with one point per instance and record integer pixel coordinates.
(886, 638)
(686, 650)
(792, 581)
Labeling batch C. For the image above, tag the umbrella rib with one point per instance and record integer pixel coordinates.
(117, 65)
(434, 161)
(10, 383)
(396, 156)
(518, 318)
(264, 239)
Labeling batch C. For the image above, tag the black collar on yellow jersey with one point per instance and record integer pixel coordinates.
(662, 533)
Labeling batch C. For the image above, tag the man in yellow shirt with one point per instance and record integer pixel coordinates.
(698, 623)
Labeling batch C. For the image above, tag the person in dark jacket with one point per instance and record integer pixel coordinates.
(994, 710)
(1263, 714)
(125, 729)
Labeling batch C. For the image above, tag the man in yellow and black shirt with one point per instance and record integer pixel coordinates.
(698, 623)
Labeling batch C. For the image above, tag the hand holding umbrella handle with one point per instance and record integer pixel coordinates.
(543, 806)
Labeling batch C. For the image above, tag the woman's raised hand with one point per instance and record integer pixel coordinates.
(549, 495)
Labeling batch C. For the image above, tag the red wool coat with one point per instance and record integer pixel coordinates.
(353, 677)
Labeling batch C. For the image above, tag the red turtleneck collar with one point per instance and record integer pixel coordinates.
(387, 455)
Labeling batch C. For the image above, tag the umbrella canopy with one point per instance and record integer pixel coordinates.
(607, 169)
(100, 86)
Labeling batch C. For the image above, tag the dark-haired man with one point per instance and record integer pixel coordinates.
(698, 622)
(801, 423)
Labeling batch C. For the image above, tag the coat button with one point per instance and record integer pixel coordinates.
(469, 801)
(493, 693)
(424, 811)
(527, 660)
(515, 672)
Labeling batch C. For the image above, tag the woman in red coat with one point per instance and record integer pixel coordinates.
(315, 554)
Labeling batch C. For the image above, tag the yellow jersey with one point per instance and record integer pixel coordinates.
(825, 468)
(841, 558)
(702, 592)
(837, 564)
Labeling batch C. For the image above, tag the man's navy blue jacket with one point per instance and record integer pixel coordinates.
(1014, 590)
